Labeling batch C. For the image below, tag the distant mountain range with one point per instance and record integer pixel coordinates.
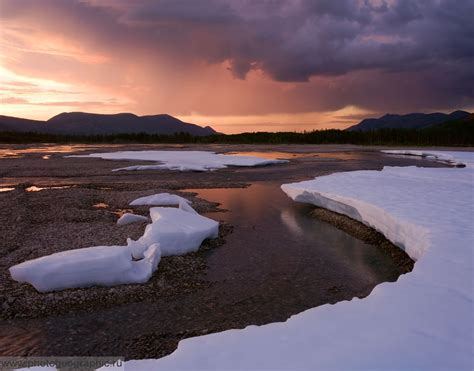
(409, 121)
(82, 123)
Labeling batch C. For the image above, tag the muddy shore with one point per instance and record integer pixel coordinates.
(34, 224)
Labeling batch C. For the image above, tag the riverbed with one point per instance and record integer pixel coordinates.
(274, 258)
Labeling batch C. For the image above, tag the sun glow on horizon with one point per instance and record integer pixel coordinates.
(300, 121)
(40, 99)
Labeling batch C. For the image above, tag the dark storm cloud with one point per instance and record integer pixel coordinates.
(424, 46)
(294, 40)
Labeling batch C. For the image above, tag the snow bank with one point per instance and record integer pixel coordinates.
(422, 321)
(183, 160)
(173, 231)
(128, 218)
(159, 199)
(98, 265)
(177, 231)
(452, 158)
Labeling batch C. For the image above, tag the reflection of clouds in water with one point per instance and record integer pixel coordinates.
(37, 189)
(274, 155)
(288, 218)
(342, 156)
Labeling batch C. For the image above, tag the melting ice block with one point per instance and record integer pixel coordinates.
(98, 265)
(159, 199)
(128, 218)
(177, 231)
(173, 231)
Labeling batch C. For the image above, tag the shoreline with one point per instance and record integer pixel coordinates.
(366, 234)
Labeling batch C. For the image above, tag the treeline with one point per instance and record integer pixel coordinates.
(449, 134)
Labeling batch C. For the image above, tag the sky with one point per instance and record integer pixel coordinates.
(237, 65)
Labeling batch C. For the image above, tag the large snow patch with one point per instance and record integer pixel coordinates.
(422, 321)
(183, 160)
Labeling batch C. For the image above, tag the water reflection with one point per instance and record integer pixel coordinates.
(275, 235)
(46, 148)
(272, 155)
(275, 155)
(343, 156)
(16, 151)
(6, 189)
(101, 205)
(37, 189)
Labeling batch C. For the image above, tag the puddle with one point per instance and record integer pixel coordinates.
(9, 154)
(120, 212)
(37, 189)
(46, 148)
(7, 189)
(101, 205)
(426, 157)
(344, 156)
(117, 212)
(272, 155)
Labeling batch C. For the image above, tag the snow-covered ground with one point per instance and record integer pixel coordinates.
(422, 321)
(183, 160)
(448, 157)
(173, 231)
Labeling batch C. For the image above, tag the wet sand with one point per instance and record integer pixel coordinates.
(220, 287)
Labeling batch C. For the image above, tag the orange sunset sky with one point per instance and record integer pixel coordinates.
(236, 65)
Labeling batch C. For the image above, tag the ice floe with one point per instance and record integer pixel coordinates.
(177, 231)
(182, 160)
(173, 231)
(129, 218)
(422, 321)
(159, 199)
(98, 265)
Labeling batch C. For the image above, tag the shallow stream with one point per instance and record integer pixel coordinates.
(278, 261)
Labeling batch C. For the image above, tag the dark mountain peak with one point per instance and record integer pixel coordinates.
(388, 116)
(85, 123)
(161, 116)
(81, 116)
(408, 121)
(459, 115)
